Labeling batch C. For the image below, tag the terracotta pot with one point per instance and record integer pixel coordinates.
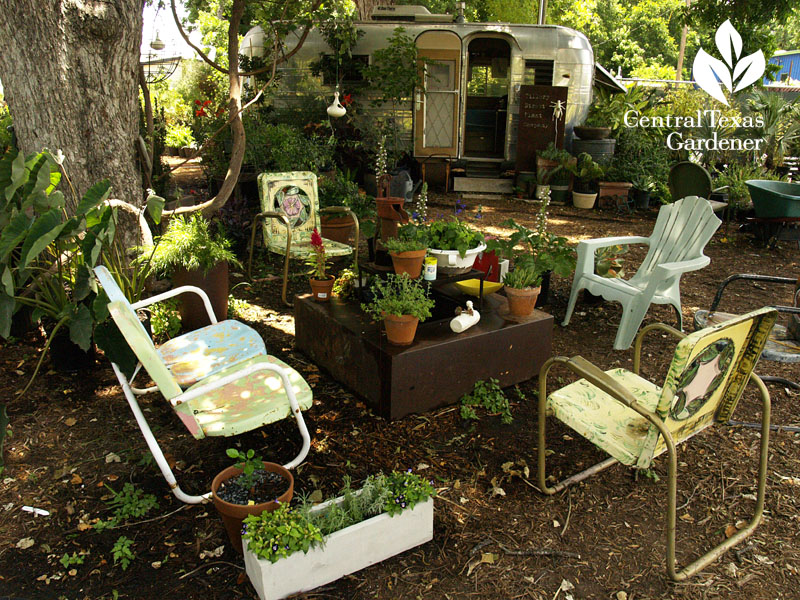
(521, 302)
(214, 283)
(322, 289)
(409, 262)
(400, 331)
(612, 192)
(233, 514)
(581, 200)
(338, 229)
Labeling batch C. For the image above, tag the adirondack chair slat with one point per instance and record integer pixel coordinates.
(679, 236)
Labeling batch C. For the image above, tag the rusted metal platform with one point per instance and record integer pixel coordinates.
(437, 369)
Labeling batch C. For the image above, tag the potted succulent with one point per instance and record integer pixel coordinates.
(522, 287)
(401, 303)
(587, 172)
(321, 282)
(296, 549)
(642, 187)
(249, 487)
(408, 249)
(193, 256)
(454, 245)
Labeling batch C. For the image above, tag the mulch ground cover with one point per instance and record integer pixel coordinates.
(75, 444)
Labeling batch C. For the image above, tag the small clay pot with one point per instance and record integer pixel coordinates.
(521, 302)
(338, 229)
(322, 289)
(409, 262)
(400, 331)
(233, 514)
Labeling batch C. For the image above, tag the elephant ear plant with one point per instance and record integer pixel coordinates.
(49, 244)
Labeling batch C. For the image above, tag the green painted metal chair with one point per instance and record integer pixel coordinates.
(679, 237)
(232, 399)
(634, 420)
(290, 212)
(690, 179)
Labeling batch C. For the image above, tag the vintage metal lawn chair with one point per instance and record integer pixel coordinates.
(634, 420)
(229, 398)
(687, 178)
(290, 212)
(679, 236)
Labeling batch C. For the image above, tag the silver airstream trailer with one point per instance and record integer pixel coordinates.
(469, 108)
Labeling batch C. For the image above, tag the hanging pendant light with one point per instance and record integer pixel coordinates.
(336, 109)
(157, 44)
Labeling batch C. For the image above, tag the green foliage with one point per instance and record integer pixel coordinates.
(165, 319)
(274, 535)
(521, 278)
(409, 237)
(643, 159)
(399, 295)
(236, 307)
(781, 124)
(337, 191)
(345, 284)
(734, 177)
(277, 534)
(489, 396)
(248, 462)
(587, 172)
(394, 73)
(6, 122)
(188, 243)
(539, 250)
(555, 154)
(608, 109)
(453, 235)
(122, 553)
(67, 561)
(608, 260)
(179, 135)
(129, 503)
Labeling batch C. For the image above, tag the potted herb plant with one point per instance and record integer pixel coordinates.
(193, 256)
(321, 282)
(250, 487)
(587, 173)
(408, 249)
(401, 303)
(454, 245)
(522, 287)
(295, 549)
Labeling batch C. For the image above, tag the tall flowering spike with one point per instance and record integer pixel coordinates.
(316, 240)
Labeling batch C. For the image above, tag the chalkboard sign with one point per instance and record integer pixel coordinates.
(537, 127)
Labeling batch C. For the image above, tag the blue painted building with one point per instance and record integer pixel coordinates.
(789, 62)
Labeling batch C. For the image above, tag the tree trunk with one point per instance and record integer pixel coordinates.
(70, 72)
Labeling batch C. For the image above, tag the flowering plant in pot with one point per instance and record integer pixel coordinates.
(299, 548)
(401, 303)
(321, 282)
(193, 256)
(454, 245)
(249, 487)
(408, 249)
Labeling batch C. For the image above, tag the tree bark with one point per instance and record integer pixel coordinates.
(70, 72)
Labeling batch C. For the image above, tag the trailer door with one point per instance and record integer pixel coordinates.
(436, 107)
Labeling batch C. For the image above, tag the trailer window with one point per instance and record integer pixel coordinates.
(538, 72)
(351, 70)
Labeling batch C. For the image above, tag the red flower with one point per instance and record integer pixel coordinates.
(316, 240)
(200, 113)
(206, 103)
(347, 100)
(197, 102)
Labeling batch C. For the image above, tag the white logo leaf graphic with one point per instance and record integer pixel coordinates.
(709, 72)
(750, 68)
(727, 37)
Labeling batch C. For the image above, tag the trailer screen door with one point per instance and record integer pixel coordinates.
(436, 107)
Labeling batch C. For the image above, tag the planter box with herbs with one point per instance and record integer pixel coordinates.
(388, 515)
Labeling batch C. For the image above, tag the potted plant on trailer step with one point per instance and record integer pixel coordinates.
(401, 303)
(388, 515)
(408, 249)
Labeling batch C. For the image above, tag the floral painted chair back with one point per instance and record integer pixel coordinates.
(293, 194)
(708, 374)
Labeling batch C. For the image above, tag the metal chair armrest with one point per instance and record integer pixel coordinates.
(176, 292)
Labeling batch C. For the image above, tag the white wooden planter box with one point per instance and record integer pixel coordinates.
(344, 552)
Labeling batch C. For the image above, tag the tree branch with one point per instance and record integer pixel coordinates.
(195, 48)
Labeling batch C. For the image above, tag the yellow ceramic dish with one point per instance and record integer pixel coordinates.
(473, 287)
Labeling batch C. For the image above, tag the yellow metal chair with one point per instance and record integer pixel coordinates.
(635, 421)
(290, 212)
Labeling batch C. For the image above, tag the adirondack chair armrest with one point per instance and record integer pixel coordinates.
(177, 292)
(587, 248)
(682, 266)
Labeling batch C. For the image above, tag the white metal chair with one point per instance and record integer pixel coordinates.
(230, 399)
(679, 237)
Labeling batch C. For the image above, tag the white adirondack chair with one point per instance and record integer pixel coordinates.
(681, 233)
